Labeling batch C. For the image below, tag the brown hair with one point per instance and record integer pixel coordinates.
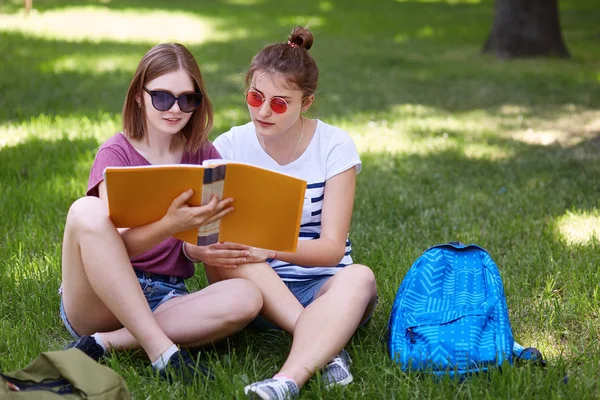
(290, 59)
(159, 60)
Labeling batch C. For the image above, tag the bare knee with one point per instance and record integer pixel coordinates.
(360, 279)
(246, 301)
(87, 215)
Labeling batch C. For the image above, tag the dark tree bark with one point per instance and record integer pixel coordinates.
(526, 28)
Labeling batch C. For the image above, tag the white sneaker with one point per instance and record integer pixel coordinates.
(337, 371)
(272, 389)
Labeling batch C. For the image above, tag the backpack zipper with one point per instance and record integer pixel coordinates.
(411, 336)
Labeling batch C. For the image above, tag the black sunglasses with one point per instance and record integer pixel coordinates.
(163, 101)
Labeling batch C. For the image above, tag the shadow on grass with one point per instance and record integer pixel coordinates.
(391, 54)
(39, 179)
(445, 195)
(404, 204)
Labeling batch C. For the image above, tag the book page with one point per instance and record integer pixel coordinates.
(140, 195)
(267, 208)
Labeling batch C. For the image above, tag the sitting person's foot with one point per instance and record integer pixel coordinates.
(337, 371)
(277, 388)
(89, 346)
(181, 364)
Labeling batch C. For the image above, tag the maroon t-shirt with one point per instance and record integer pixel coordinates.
(166, 258)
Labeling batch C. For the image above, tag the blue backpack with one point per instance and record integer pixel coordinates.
(450, 315)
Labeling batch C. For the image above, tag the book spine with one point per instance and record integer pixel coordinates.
(214, 182)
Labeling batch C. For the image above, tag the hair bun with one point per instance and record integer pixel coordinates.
(301, 37)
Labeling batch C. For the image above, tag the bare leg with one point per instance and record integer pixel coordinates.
(323, 328)
(201, 317)
(280, 306)
(327, 324)
(100, 289)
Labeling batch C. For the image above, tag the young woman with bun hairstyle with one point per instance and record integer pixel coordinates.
(317, 294)
(124, 288)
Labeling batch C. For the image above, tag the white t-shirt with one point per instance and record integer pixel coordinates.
(330, 152)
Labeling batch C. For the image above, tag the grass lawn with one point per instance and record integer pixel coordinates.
(455, 146)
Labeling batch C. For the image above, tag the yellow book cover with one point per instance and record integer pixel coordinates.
(267, 205)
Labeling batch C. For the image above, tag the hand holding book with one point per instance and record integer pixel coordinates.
(182, 217)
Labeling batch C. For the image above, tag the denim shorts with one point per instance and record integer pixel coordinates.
(157, 289)
(306, 291)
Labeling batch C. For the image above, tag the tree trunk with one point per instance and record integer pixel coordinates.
(526, 28)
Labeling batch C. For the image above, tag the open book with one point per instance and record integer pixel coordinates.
(267, 205)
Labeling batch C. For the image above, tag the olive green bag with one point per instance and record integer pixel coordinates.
(68, 374)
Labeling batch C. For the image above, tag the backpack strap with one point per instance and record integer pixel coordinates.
(59, 386)
(528, 354)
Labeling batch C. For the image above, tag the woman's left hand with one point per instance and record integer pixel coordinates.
(221, 255)
(260, 255)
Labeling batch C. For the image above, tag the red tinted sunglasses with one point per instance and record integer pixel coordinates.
(256, 99)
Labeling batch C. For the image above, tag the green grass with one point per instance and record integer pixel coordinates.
(455, 145)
